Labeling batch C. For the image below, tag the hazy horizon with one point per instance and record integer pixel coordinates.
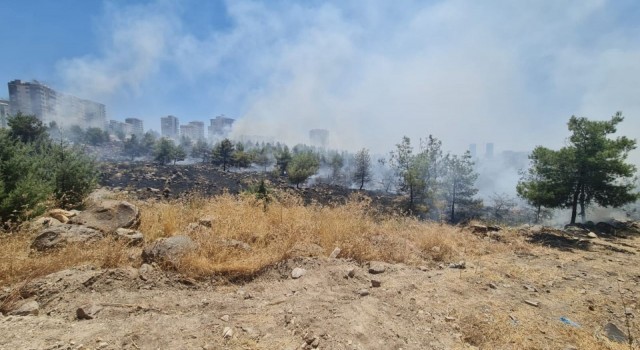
(466, 72)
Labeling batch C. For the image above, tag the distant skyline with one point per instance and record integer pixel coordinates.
(506, 72)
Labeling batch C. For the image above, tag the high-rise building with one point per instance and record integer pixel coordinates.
(116, 127)
(136, 126)
(4, 113)
(193, 131)
(220, 127)
(489, 151)
(35, 98)
(319, 137)
(170, 127)
(473, 150)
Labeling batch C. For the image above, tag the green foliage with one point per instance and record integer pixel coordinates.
(201, 150)
(164, 151)
(96, 136)
(39, 173)
(458, 184)
(283, 158)
(410, 170)
(223, 154)
(301, 167)
(148, 143)
(362, 173)
(132, 147)
(591, 169)
(26, 128)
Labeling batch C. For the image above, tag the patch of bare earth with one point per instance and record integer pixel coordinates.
(517, 290)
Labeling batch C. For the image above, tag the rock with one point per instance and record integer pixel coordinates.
(493, 286)
(449, 319)
(60, 215)
(88, 312)
(44, 222)
(363, 292)
(297, 273)
(592, 235)
(351, 272)
(316, 342)
(225, 318)
(614, 333)
(423, 268)
(375, 283)
(252, 333)
(206, 221)
(494, 228)
(108, 216)
(530, 288)
(532, 303)
(29, 308)
(334, 254)
(169, 249)
(227, 332)
(376, 267)
(58, 236)
(131, 237)
(459, 265)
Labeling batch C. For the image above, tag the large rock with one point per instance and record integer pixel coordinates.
(169, 249)
(61, 235)
(28, 308)
(130, 237)
(108, 216)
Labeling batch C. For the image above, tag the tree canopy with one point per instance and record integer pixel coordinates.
(590, 169)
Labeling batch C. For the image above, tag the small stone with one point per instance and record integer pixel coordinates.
(227, 332)
(29, 308)
(206, 222)
(376, 267)
(315, 343)
(351, 272)
(530, 288)
(103, 345)
(614, 333)
(225, 318)
(335, 253)
(459, 265)
(493, 286)
(592, 235)
(375, 283)
(423, 268)
(88, 312)
(449, 319)
(363, 292)
(298, 272)
(532, 303)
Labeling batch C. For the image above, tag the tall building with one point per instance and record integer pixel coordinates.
(116, 127)
(136, 126)
(4, 113)
(220, 127)
(48, 105)
(170, 127)
(193, 131)
(489, 152)
(319, 137)
(473, 150)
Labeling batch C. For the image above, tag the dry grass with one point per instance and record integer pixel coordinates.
(285, 229)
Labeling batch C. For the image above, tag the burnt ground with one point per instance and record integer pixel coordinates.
(148, 180)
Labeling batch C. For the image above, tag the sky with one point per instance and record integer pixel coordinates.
(500, 71)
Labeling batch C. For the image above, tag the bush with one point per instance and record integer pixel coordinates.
(36, 173)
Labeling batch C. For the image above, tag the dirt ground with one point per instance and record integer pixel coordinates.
(513, 299)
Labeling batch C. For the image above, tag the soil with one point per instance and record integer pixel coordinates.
(517, 297)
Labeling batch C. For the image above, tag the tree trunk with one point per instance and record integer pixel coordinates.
(574, 205)
(453, 203)
(583, 214)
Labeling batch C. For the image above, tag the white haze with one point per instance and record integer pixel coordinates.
(506, 72)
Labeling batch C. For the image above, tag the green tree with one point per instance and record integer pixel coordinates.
(301, 167)
(362, 173)
(165, 151)
(262, 158)
(148, 143)
(201, 150)
(132, 147)
(178, 154)
(95, 136)
(283, 158)
(26, 128)
(410, 171)
(336, 162)
(223, 154)
(459, 183)
(591, 169)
